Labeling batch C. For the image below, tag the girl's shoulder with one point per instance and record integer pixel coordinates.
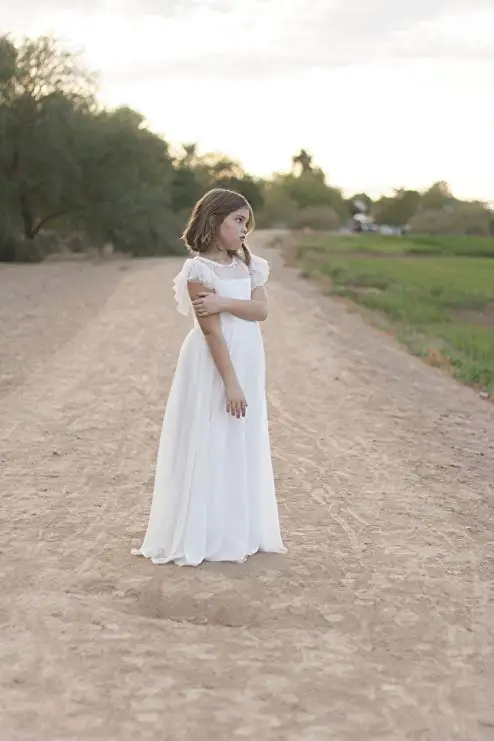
(197, 269)
(193, 270)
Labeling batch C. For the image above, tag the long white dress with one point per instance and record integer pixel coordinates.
(214, 495)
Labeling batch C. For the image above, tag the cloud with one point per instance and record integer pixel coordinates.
(381, 17)
(228, 39)
(279, 37)
(186, 8)
(295, 42)
(367, 18)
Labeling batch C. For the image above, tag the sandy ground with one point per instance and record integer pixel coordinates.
(377, 624)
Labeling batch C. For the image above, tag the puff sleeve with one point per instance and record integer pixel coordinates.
(193, 271)
(259, 271)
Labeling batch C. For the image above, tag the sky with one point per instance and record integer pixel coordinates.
(383, 93)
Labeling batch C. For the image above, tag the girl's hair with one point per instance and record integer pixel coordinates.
(208, 215)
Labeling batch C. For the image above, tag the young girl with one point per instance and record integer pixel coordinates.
(214, 496)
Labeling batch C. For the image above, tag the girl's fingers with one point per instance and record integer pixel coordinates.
(237, 409)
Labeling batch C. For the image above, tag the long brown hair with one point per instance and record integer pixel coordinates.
(207, 216)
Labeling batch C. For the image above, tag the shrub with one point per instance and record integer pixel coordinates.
(319, 218)
(467, 219)
(29, 250)
(7, 246)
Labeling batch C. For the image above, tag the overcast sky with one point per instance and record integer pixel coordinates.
(384, 93)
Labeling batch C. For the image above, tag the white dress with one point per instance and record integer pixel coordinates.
(214, 496)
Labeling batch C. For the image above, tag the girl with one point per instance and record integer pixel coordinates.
(214, 496)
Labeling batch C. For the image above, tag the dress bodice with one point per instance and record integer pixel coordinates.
(235, 279)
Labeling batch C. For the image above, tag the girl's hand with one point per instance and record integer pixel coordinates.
(236, 404)
(207, 304)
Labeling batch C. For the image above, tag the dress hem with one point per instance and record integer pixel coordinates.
(181, 561)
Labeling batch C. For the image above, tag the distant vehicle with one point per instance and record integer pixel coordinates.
(392, 231)
(363, 223)
(389, 231)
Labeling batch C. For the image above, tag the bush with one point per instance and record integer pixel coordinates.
(29, 250)
(319, 218)
(77, 242)
(7, 247)
(466, 219)
(48, 242)
(143, 240)
(277, 211)
(16, 248)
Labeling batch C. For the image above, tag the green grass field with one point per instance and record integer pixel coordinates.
(408, 245)
(438, 293)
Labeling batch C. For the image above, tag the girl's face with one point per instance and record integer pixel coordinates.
(233, 230)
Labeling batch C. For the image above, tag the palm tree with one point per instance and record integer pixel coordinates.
(190, 155)
(303, 160)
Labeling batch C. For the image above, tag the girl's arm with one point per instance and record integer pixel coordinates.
(254, 309)
(211, 327)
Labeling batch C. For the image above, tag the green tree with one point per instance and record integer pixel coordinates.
(311, 189)
(319, 218)
(196, 174)
(125, 183)
(438, 196)
(397, 210)
(278, 208)
(43, 94)
(302, 162)
(190, 180)
(65, 162)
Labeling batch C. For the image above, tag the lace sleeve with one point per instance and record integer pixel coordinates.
(192, 271)
(259, 271)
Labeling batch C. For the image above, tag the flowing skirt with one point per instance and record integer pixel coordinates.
(214, 495)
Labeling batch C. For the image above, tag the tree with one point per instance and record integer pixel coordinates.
(397, 210)
(438, 196)
(125, 183)
(227, 173)
(63, 161)
(302, 162)
(190, 180)
(319, 218)
(190, 155)
(310, 189)
(43, 94)
(196, 174)
(278, 208)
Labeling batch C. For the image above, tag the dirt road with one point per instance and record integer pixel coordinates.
(377, 625)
